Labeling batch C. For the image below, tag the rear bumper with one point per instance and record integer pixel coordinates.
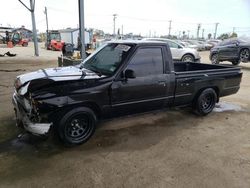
(23, 119)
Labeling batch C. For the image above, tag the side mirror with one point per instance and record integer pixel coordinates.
(179, 47)
(129, 73)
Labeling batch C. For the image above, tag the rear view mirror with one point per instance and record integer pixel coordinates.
(129, 73)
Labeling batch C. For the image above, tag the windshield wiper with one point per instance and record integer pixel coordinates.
(93, 69)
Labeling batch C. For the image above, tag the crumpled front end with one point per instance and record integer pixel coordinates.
(28, 117)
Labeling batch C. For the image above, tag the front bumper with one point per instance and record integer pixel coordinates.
(22, 118)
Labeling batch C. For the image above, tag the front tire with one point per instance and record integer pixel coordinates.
(215, 59)
(205, 102)
(187, 58)
(77, 126)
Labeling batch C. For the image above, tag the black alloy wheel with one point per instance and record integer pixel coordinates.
(206, 101)
(77, 126)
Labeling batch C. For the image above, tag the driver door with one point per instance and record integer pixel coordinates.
(148, 90)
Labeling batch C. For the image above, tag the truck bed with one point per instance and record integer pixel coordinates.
(183, 69)
(191, 78)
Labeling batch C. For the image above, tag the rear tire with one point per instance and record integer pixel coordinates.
(25, 44)
(205, 102)
(237, 62)
(244, 55)
(77, 126)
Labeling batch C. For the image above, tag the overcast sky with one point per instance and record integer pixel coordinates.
(137, 16)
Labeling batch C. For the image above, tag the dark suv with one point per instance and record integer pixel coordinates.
(233, 50)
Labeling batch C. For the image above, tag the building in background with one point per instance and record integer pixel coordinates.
(71, 36)
(24, 33)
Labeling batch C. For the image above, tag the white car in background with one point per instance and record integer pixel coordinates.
(179, 52)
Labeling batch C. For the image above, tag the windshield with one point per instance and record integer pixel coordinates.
(55, 36)
(108, 59)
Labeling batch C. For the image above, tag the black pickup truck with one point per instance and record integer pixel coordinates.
(119, 78)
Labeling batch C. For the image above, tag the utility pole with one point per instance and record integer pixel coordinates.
(188, 33)
(169, 28)
(47, 24)
(114, 18)
(215, 32)
(81, 29)
(203, 33)
(32, 11)
(122, 33)
(233, 29)
(198, 30)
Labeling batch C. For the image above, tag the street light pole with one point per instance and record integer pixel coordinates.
(215, 32)
(198, 30)
(82, 29)
(32, 10)
(169, 28)
(114, 18)
(203, 30)
(47, 24)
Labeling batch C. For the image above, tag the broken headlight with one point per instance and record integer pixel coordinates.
(17, 83)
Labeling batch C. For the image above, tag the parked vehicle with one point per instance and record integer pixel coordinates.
(195, 44)
(183, 43)
(202, 45)
(119, 78)
(179, 52)
(18, 40)
(54, 41)
(213, 42)
(2, 39)
(208, 46)
(233, 50)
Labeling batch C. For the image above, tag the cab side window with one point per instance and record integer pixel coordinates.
(147, 61)
(172, 44)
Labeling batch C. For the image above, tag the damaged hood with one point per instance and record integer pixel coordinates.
(57, 74)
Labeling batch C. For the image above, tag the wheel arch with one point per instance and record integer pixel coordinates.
(215, 88)
(89, 104)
